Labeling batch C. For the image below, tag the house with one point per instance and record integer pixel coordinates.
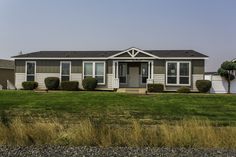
(130, 68)
(7, 73)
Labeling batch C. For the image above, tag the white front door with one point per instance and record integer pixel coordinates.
(134, 76)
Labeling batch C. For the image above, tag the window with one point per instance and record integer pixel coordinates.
(178, 73)
(184, 73)
(88, 70)
(144, 72)
(123, 72)
(65, 71)
(95, 70)
(172, 73)
(30, 70)
(99, 72)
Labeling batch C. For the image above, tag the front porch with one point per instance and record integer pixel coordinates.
(132, 73)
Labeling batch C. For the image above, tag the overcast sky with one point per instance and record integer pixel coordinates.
(207, 26)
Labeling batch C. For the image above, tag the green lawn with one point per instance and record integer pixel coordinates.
(119, 108)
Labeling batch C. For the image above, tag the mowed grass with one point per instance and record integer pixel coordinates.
(119, 108)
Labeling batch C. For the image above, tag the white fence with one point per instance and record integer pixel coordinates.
(220, 85)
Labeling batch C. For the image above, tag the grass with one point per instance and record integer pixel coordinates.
(111, 119)
(185, 133)
(115, 108)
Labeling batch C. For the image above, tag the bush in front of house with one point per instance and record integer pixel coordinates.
(70, 85)
(52, 83)
(89, 83)
(203, 86)
(29, 85)
(158, 87)
(183, 90)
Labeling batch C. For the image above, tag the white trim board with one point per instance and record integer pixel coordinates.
(133, 55)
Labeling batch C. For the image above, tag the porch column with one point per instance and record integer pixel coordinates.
(115, 82)
(150, 72)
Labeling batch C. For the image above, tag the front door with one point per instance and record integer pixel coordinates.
(133, 76)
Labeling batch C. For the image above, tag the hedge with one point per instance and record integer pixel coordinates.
(203, 86)
(29, 85)
(89, 83)
(70, 85)
(52, 83)
(155, 87)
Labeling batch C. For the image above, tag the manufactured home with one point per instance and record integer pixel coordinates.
(130, 68)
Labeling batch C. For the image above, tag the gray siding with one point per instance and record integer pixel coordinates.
(20, 66)
(159, 66)
(76, 66)
(109, 66)
(47, 66)
(198, 66)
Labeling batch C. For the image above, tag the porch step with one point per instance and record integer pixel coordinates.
(132, 90)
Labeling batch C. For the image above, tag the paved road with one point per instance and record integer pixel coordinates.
(65, 151)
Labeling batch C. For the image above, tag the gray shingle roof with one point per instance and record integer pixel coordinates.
(102, 54)
(6, 64)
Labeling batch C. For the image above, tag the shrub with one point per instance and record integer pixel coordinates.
(29, 85)
(52, 83)
(89, 83)
(70, 85)
(183, 90)
(203, 86)
(155, 87)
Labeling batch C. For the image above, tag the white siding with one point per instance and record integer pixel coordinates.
(19, 78)
(159, 78)
(40, 77)
(220, 85)
(109, 80)
(196, 77)
(77, 77)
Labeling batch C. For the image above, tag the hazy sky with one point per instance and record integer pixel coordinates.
(207, 26)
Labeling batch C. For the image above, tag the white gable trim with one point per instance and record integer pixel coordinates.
(133, 55)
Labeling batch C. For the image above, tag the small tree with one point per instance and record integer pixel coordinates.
(226, 70)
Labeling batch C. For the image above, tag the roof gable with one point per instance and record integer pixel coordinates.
(132, 53)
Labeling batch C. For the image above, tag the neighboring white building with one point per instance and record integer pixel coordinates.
(219, 84)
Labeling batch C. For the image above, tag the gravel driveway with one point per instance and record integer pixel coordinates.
(63, 151)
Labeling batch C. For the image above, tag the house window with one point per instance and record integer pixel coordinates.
(172, 73)
(184, 73)
(65, 71)
(30, 70)
(144, 72)
(95, 70)
(123, 72)
(178, 73)
(99, 72)
(88, 70)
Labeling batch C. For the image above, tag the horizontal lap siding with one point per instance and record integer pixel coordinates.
(40, 77)
(160, 73)
(19, 78)
(51, 68)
